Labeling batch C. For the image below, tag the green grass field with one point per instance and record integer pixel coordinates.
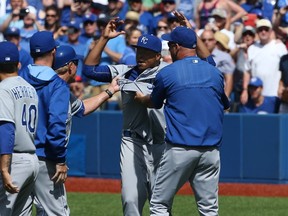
(97, 204)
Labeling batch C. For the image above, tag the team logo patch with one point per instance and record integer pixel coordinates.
(144, 40)
(150, 87)
(7, 59)
(37, 50)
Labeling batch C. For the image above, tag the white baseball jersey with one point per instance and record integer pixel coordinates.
(19, 105)
(148, 123)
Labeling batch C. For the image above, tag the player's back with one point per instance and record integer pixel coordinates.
(194, 108)
(22, 107)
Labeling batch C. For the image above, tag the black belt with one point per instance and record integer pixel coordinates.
(28, 152)
(132, 134)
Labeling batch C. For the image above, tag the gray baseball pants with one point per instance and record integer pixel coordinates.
(179, 164)
(24, 171)
(49, 198)
(139, 162)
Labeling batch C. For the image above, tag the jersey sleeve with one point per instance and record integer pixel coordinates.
(7, 137)
(77, 107)
(57, 134)
(98, 73)
(210, 60)
(6, 106)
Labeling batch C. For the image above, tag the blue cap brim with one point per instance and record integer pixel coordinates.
(167, 37)
(136, 46)
(78, 57)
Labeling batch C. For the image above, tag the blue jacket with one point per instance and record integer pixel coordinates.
(54, 116)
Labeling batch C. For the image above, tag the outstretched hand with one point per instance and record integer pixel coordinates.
(110, 30)
(114, 86)
(182, 19)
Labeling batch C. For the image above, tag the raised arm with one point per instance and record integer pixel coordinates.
(201, 50)
(236, 12)
(109, 32)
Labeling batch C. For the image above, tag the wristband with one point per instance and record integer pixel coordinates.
(110, 94)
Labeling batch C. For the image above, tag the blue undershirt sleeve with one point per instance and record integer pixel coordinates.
(7, 137)
(225, 101)
(98, 73)
(210, 60)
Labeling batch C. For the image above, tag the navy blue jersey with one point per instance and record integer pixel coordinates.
(193, 91)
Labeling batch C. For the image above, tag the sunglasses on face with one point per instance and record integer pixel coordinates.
(248, 33)
(263, 29)
(75, 62)
(207, 39)
(171, 44)
(72, 30)
(84, 1)
(162, 27)
(51, 15)
(88, 23)
(170, 3)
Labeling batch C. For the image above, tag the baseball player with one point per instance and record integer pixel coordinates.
(18, 120)
(194, 125)
(142, 141)
(56, 108)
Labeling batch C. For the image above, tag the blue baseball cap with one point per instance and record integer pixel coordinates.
(9, 52)
(183, 36)
(64, 55)
(89, 18)
(12, 31)
(150, 42)
(74, 24)
(255, 81)
(42, 42)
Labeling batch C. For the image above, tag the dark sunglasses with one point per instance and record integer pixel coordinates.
(50, 15)
(72, 30)
(88, 23)
(247, 33)
(263, 29)
(136, 1)
(207, 39)
(171, 44)
(75, 62)
(84, 1)
(162, 27)
(168, 2)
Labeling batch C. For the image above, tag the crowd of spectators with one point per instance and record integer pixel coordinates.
(247, 38)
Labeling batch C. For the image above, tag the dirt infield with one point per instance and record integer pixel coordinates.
(230, 189)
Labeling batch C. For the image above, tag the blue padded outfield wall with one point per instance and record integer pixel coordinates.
(254, 149)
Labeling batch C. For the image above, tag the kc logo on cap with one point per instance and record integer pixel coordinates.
(144, 40)
(150, 42)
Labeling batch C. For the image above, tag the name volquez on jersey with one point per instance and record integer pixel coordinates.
(23, 91)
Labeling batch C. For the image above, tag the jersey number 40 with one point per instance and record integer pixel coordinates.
(29, 116)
